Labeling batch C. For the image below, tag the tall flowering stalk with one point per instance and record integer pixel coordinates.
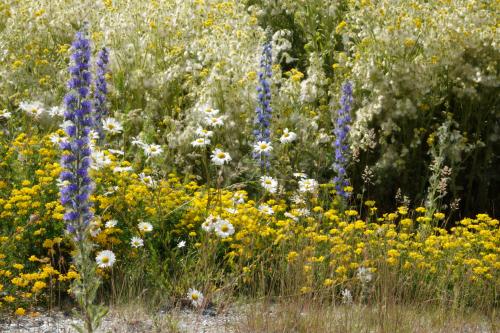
(341, 130)
(101, 90)
(262, 131)
(77, 183)
(76, 158)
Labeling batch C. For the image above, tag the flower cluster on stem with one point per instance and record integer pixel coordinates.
(341, 131)
(101, 90)
(76, 158)
(262, 131)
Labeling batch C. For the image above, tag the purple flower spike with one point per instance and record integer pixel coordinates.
(341, 131)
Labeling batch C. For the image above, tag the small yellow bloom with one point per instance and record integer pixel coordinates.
(20, 312)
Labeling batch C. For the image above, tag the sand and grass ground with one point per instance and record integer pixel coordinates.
(296, 316)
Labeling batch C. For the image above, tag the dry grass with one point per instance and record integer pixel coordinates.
(304, 316)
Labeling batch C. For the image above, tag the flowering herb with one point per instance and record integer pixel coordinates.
(76, 158)
(101, 90)
(262, 131)
(341, 130)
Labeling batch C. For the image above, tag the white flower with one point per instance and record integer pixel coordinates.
(5, 114)
(195, 297)
(291, 216)
(65, 124)
(123, 169)
(299, 175)
(111, 224)
(112, 126)
(136, 242)
(262, 147)
(34, 109)
(288, 136)
(200, 131)
(346, 296)
(209, 224)
(181, 244)
(266, 209)
(219, 157)
(238, 198)
(56, 111)
(116, 152)
(364, 275)
(145, 227)
(303, 212)
(105, 259)
(147, 180)
(56, 139)
(152, 150)
(137, 142)
(209, 111)
(214, 121)
(99, 160)
(200, 142)
(269, 184)
(224, 228)
(308, 185)
(93, 135)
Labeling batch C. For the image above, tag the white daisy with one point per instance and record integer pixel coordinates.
(99, 160)
(147, 180)
(65, 124)
(308, 185)
(200, 131)
(105, 259)
(112, 126)
(56, 139)
(238, 198)
(111, 224)
(93, 135)
(34, 109)
(137, 142)
(262, 147)
(209, 111)
(287, 136)
(116, 152)
(224, 228)
(123, 169)
(195, 297)
(152, 150)
(214, 121)
(219, 157)
(266, 209)
(5, 114)
(200, 142)
(56, 111)
(181, 244)
(136, 242)
(145, 227)
(299, 175)
(209, 224)
(269, 184)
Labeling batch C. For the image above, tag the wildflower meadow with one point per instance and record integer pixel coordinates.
(308, 166)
